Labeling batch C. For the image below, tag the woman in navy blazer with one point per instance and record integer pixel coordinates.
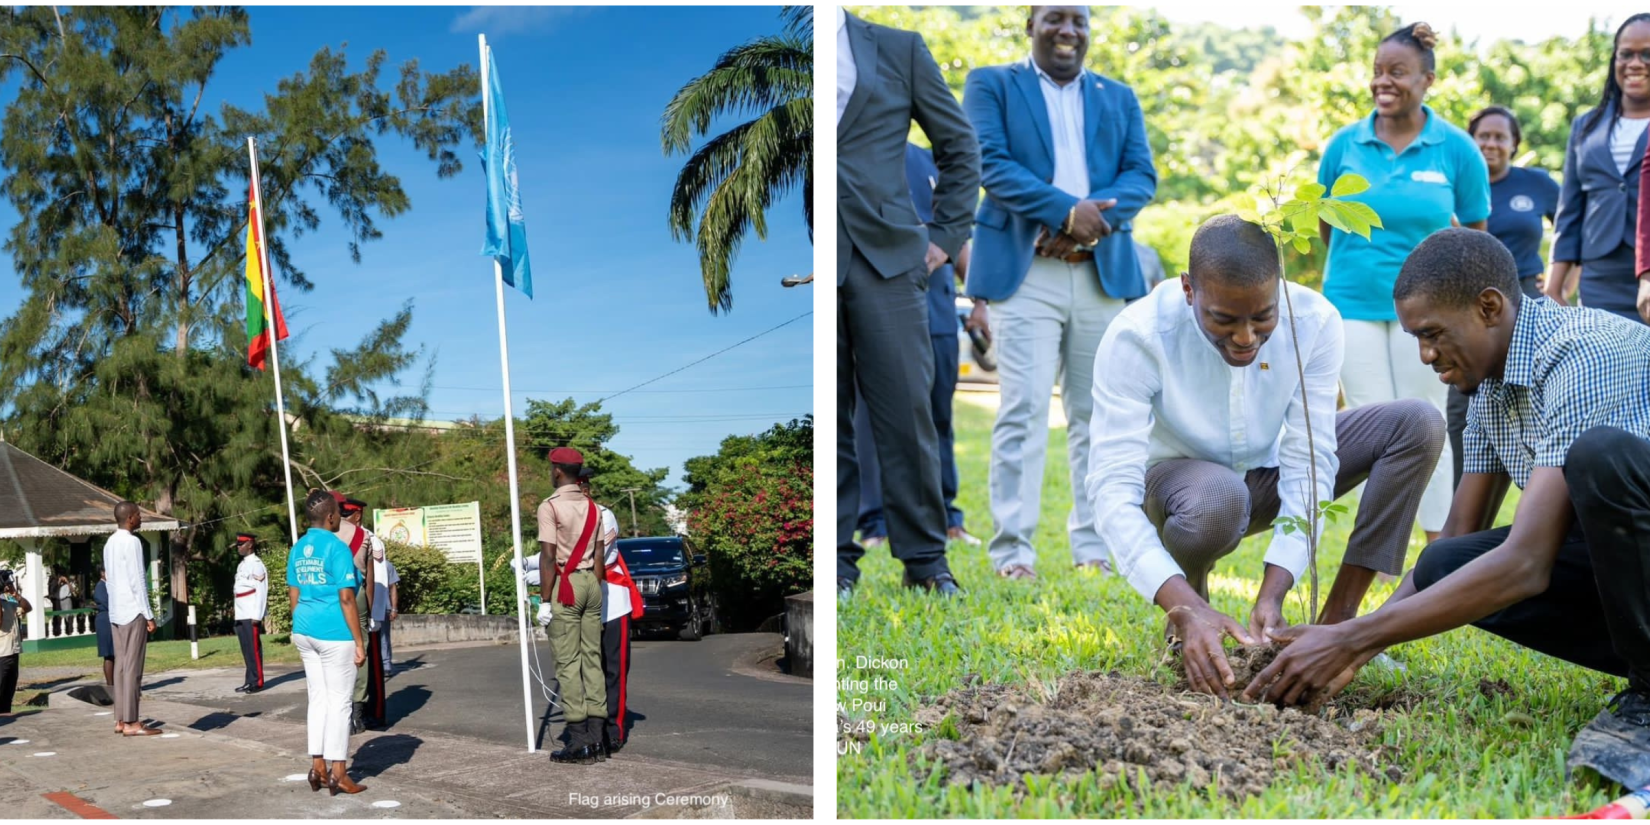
(1598, 211)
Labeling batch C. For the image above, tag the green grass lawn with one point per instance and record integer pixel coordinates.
(1463, 754)
(217, 651)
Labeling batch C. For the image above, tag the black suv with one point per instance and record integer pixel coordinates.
(675, 585)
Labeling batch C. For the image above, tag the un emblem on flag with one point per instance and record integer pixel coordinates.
(514, 193)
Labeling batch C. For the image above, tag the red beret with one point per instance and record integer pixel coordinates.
(243, 537)
(566, 455)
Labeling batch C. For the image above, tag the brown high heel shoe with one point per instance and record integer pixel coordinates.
(315, 780)
(343, 784)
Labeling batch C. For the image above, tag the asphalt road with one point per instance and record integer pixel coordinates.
(690, 702)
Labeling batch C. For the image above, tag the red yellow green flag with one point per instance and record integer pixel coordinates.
(257, 325)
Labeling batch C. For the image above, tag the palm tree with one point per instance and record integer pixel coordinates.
(727, 185)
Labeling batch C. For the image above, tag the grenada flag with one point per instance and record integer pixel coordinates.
(257, 329)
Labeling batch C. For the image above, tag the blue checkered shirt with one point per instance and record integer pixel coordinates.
(1568, 370)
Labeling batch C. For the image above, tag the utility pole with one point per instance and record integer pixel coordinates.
(634, 530)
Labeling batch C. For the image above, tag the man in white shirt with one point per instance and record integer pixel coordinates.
(130, 617)
(1201, 419)
(619, 596)
(251, 605)
(1066, 166)
(385, 599)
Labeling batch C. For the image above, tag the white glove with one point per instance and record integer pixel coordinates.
(544, 615)
(373, 625)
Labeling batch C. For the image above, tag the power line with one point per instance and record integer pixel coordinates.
(708, 357)
(595, 392)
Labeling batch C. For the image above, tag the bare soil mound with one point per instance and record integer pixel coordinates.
(1133, 730)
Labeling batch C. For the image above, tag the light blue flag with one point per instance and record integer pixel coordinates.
(506, 229)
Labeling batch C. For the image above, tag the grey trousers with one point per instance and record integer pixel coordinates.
(1048, 329)
(1202, 509)
(131, 646)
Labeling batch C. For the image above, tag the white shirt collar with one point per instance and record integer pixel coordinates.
(841, 18)
(1082, 75)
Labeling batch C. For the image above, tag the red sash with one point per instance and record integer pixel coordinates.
(564, 589)
(620, 575)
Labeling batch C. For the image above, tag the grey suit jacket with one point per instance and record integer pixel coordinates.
(898, 82)
(1598, 206)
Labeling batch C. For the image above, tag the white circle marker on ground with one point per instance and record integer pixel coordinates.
(18, 742)
(157, 803)
(170, 735)
(104, 713)
(386, 803)
(46, 753)
(294, 777)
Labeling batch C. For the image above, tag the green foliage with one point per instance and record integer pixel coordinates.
(1228, 110)
(125, 363)
(278, 618)
(429, 583)
(751, 514)
(728, 183)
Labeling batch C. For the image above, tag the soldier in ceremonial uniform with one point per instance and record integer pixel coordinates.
(571, 574)
(621, 603)
(369, 679)
(360, 550)
(251, 605)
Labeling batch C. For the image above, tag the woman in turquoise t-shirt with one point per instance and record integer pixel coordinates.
(1422, 173)
(321, 584)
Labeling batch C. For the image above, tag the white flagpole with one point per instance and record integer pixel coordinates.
(269, 329)
(510, 439)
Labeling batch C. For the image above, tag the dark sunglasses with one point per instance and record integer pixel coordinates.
(1626, 55)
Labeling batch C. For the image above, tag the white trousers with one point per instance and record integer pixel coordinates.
(1383, 363)
(1050, 327)
(329, 670)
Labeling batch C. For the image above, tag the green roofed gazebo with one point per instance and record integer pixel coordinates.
(39, 501)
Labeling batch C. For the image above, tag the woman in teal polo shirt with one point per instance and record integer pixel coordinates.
(321, 584)
(1422, 173)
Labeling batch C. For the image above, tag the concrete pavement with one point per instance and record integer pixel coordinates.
(456, 747)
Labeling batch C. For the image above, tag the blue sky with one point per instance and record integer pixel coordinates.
(585, 88)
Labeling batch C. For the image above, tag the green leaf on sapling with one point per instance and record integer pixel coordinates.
(1349, 184)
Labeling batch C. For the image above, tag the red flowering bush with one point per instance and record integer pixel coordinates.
(756, 527)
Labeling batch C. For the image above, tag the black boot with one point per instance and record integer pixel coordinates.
(356, 723)
(579, 750)
(595, 734)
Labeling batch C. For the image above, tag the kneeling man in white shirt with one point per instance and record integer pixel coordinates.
(1200, 423)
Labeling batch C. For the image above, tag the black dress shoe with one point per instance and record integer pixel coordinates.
(613, 748)
(844, 588)
(582, 755)
(243, 689)
(943, 584)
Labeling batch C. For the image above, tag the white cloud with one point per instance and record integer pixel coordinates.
(498, 21)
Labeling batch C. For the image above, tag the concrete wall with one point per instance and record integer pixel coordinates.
(413, 630)
(799, 634)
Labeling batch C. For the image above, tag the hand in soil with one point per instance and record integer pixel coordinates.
(1200, 628)
(1315, 664)
(1266, 620)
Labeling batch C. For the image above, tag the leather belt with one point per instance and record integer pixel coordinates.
(1079, 257)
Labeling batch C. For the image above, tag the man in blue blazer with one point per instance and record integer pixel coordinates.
(1066, 167)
